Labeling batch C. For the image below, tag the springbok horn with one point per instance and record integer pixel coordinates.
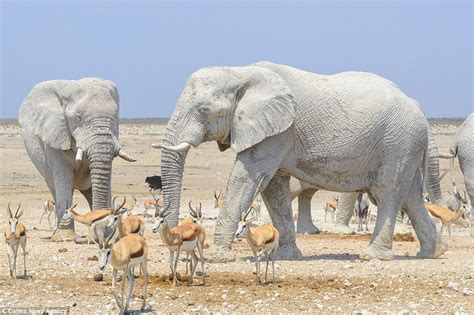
(215, 194)
(10, 211)
(183, 147)
(193, 213)
(118, 208)
(79, 155)
(442, 175)
(247, 213)
(220, 193)
(127, 157)
(200, 210)
(16, 212)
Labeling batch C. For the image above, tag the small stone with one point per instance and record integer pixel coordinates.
(347, 267)
(98, 277)
(92, 258)
(468, 292)
(62, 250)
(453, 286)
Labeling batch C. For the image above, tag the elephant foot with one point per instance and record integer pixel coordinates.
(308, 228)
(288, 252)
(440, 248)
(341, 229)
(63, 235)
(372, 252)
(219, 255)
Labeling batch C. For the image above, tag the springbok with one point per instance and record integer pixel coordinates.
(49, 207)
(361, 207)
(447, 216)
(152, 203)
(15, 235)
(194, 217)
(184, 237)
(129, 205)
(125, 254)
(263, 240)
(122, 227)
(93, 218)
(330, 208)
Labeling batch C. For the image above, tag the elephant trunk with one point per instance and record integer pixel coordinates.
(101, 172)
(433, 181)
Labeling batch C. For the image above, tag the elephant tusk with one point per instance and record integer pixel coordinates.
(445, 156)
(183, 147)
(79, 155)
(124, 155)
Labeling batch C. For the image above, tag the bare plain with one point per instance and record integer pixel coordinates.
(330, 278)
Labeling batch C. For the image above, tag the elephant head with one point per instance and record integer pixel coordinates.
(81, 119)
(238, 107)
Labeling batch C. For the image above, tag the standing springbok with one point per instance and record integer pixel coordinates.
(263, 240)
(93, 218)
(49, 207)
(152, 204)
(447, 217)
(361, 207)
(184, 237)
(15, 235)
(330, 208)
(122, 227)
(195, 217)
(127, 253)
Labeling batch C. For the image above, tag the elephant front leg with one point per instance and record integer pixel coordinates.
(62, 173)
(305, 222)
(278, 202)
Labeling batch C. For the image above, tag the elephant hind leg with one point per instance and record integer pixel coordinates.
(278, 202)
(305, 222)
(431, 244)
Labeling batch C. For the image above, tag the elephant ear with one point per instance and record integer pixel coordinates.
(265, 107)
(42, 114)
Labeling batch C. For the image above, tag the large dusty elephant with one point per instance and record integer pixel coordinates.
(70, 131)
(463, 149)
(350, 131)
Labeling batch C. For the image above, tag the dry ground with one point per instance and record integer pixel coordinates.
(330, 278)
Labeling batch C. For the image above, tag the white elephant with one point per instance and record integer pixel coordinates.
(70, 131)
(350, 131)
(463, 149)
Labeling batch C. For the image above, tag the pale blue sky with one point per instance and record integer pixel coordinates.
(149, 48)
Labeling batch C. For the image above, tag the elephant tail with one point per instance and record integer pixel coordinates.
(426, 157)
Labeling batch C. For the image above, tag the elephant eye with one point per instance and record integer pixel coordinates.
(78, 117)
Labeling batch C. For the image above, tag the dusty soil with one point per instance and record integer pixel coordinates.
(330, 277)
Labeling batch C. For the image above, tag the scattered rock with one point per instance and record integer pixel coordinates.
(98, 277)
(453, 286)
(92, 258)
(347, 267)
(62, 250)
(468, 292)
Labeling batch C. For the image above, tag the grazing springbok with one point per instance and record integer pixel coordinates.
(49, 207)
(93, 218)
(361, 207)
(256, 205)
(128, 252)
(129, 205)
(447, 217)
(330, 208)
(15, 235)
(184, 237)
(262, 240)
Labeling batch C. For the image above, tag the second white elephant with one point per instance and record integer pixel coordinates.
(347, 132)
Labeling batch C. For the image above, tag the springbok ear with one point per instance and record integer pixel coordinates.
(42, 113)
(265, 107)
